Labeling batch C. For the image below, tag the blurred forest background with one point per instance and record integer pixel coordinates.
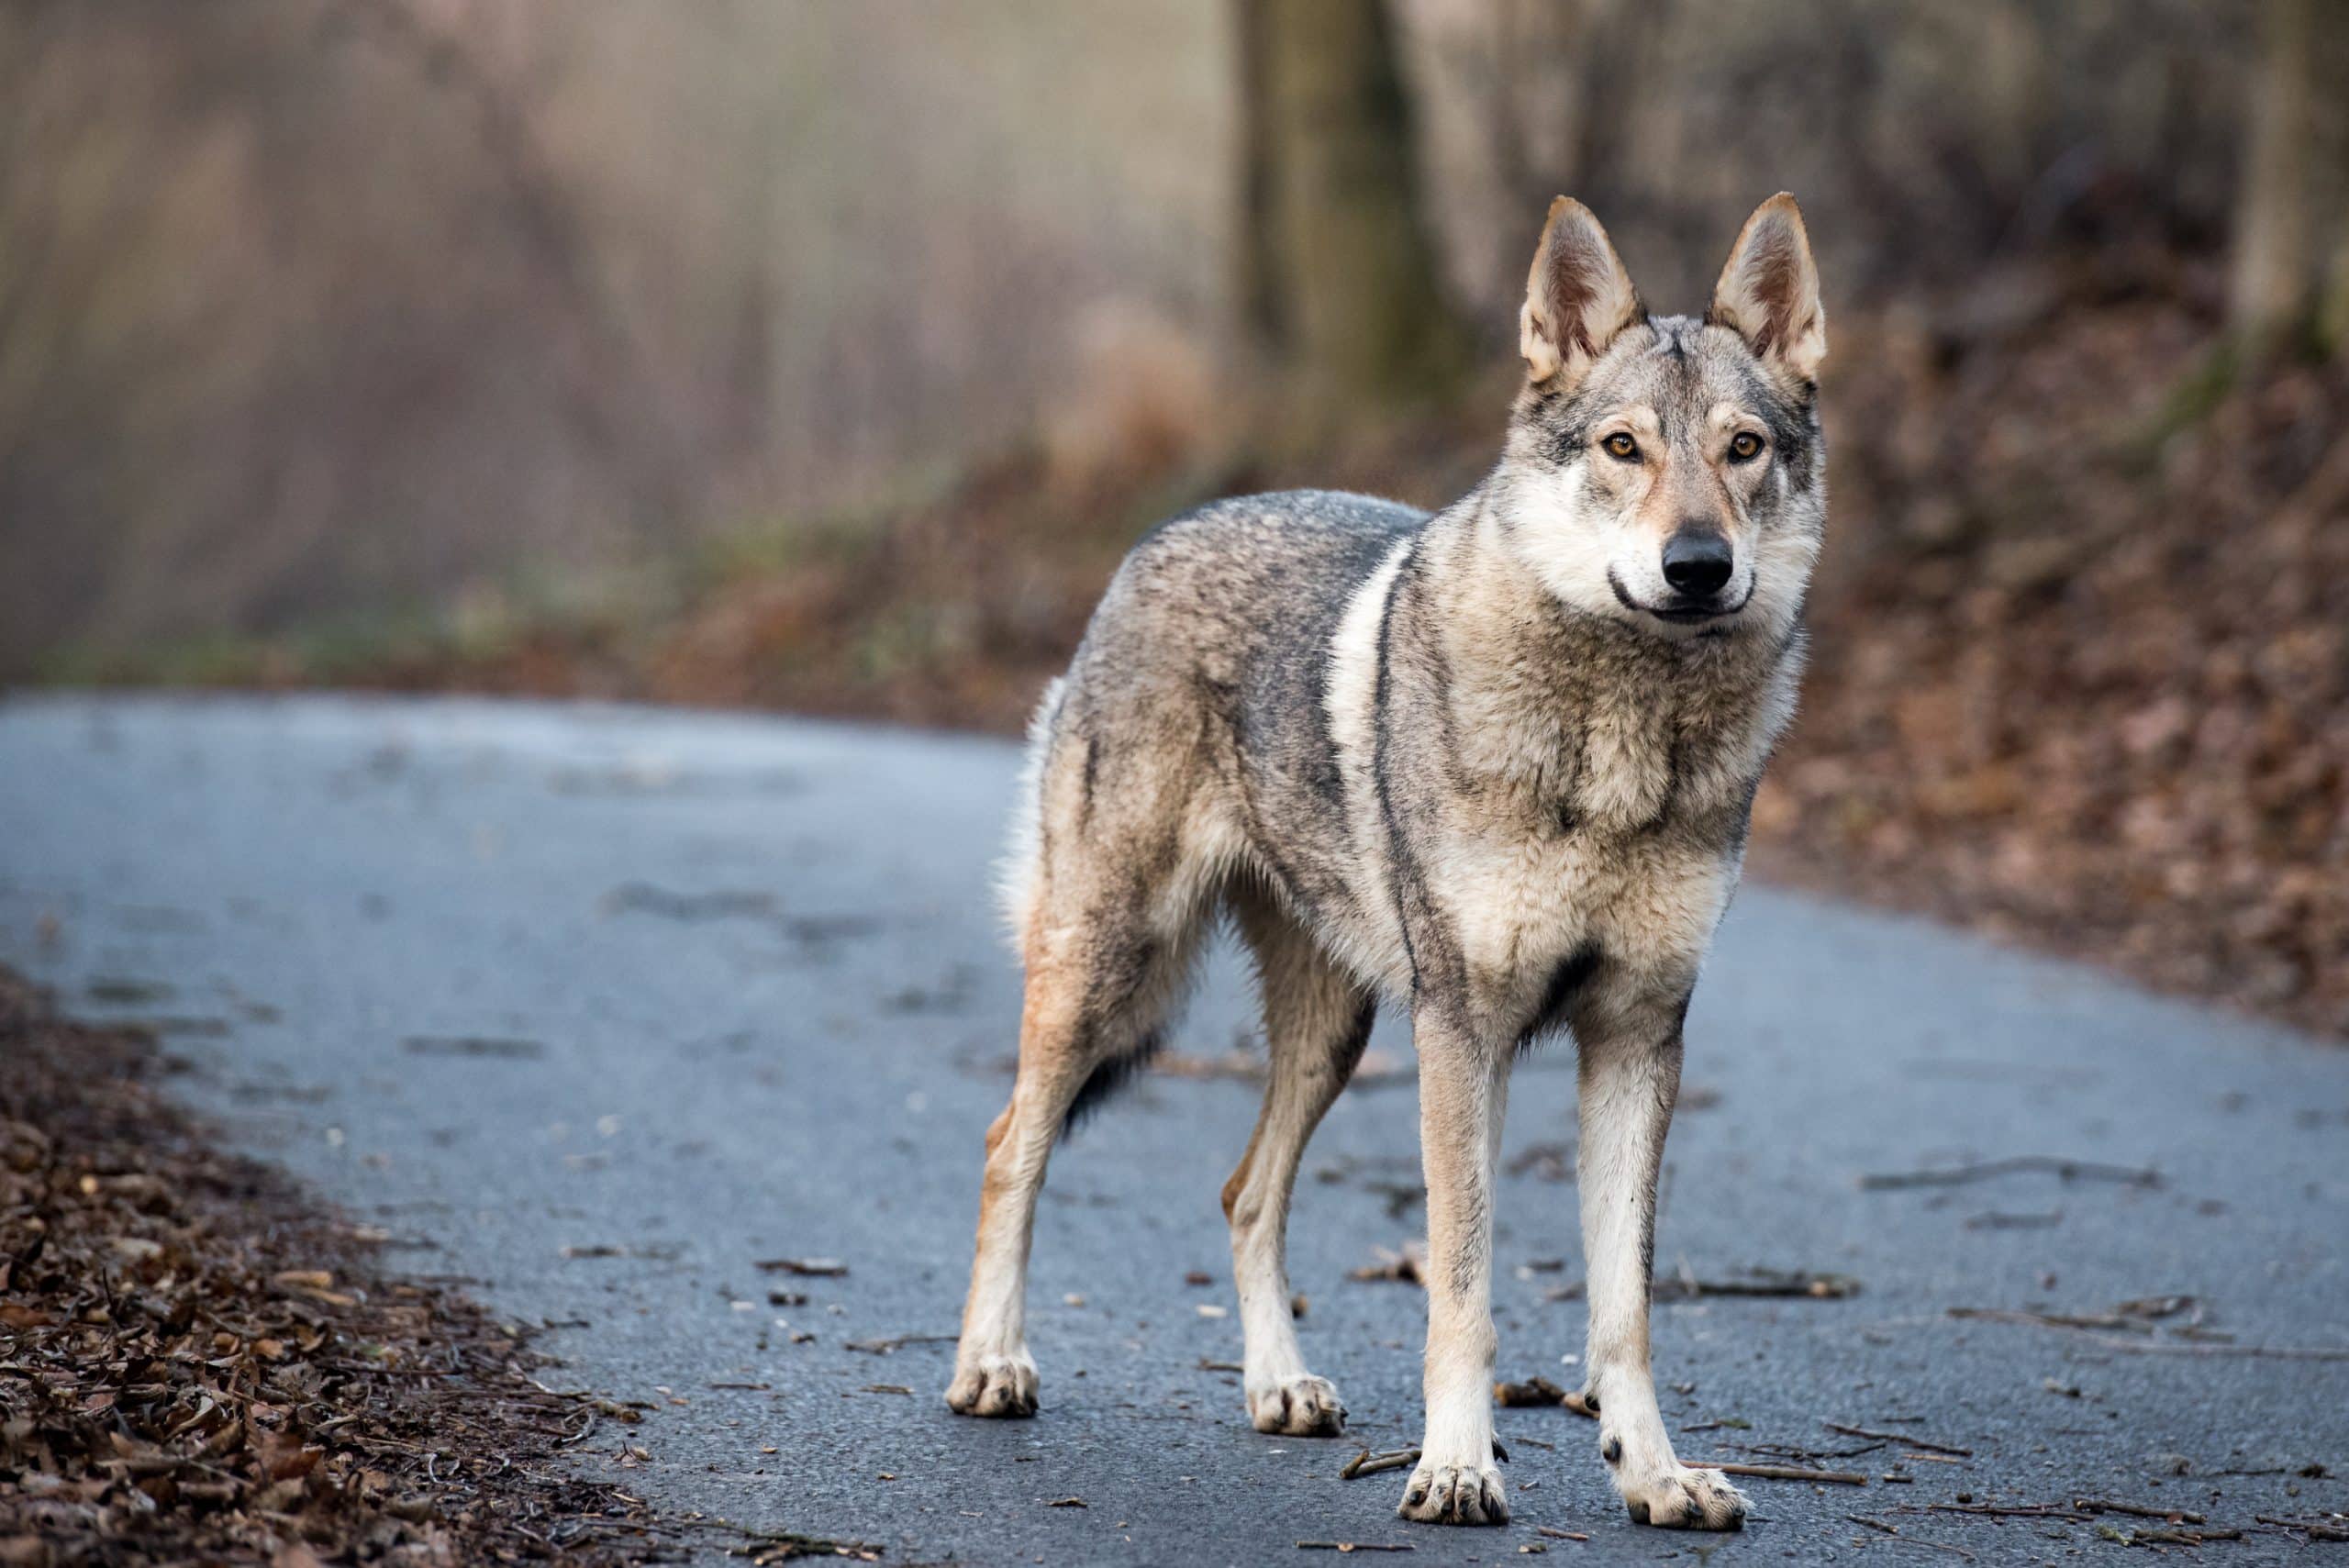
(826, 357)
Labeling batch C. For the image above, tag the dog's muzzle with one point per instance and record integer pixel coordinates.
(1682, 609)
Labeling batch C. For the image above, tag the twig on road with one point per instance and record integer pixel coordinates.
(1349, 1546)
(806, 1268)
(2107, 1506)
(1894, 1531)
(1995, 1221)
(1796, 1453)
(2315, 1529)
(1797, 1284)
(1369, 1464)
(2003, 1511)
(1902, 1438)
(2151, 1347)
(882, 1347)
(1782, 1472)
(2020, 1165)
(2081, 1322)
(781, 1545)
(1534, 1393)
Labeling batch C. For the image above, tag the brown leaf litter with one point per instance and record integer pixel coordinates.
(197, 1363)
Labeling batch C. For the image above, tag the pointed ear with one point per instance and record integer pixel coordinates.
(1769, 290)
(1577, 298)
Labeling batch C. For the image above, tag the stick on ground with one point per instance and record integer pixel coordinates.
(2020, 1165)
(2015, 1511)
(1901, 1437)
(2107, 1506)
(1349, 1546)
(1782, 1472)
(2146, 1347)
(1894, 1531)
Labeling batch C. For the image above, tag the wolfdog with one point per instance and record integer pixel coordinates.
(1493, 764)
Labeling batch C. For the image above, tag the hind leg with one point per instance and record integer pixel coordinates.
(1316, 1021)
(1098, 990)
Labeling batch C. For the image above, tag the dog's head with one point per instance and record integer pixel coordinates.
(1662, 469)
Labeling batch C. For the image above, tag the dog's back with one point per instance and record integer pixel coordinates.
(1206, 669)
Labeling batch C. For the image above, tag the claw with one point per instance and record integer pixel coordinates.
(1455, 1495)
(1300, 1406)
(1682, 1498)
(997, 1387)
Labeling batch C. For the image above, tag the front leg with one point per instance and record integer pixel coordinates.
(1630, 1075)
(1463, 1089)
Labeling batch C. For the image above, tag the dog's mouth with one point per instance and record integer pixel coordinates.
(1681, 610)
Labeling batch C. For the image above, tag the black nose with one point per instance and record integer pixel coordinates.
(1696, 562)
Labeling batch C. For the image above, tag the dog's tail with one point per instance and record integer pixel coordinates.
(1016, 873)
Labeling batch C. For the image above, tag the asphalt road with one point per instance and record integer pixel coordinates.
(600, 1007)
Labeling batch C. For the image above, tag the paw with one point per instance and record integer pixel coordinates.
(1677, 1498)
(1299, 1407)
(994, 1386)
(1454, 1494)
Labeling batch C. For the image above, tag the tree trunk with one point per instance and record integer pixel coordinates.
(2289, 237)
(1338, 279)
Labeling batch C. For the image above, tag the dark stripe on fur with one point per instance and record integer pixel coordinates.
(1357, 1039)
(1565, 983)
(1675, 769)
(1742, 824)
(1398, 852)
(1428, 942)
(1673, 1049)
(1109, 1076)
(1092, 777)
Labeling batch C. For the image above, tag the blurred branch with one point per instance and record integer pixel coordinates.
(70, 223)
(1255, 254)
(553, 236)
(24, 37)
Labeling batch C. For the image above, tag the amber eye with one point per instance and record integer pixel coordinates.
(1619, 445)
(1745, 447)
